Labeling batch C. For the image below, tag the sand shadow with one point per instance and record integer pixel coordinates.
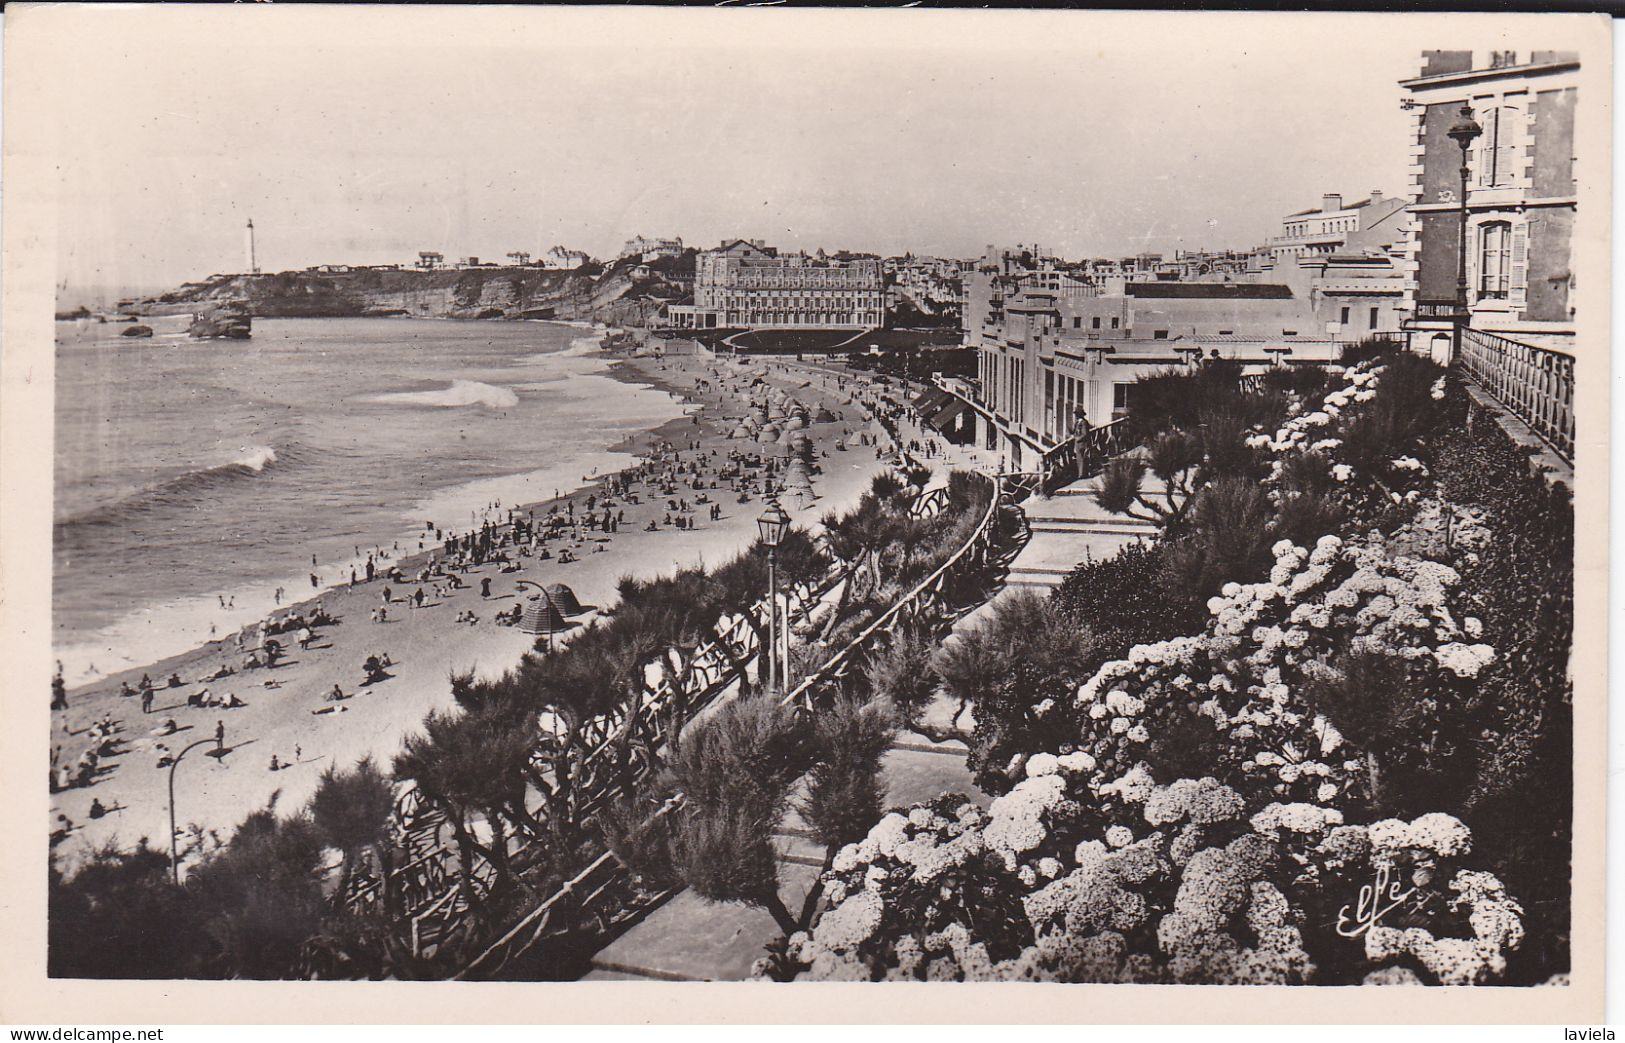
(220, 753)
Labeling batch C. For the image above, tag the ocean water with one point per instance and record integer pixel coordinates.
(187, 472)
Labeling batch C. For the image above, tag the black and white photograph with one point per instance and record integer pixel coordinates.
(632, 497)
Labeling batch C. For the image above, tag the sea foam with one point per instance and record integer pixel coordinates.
(458, 393)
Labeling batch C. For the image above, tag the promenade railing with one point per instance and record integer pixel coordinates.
(1535, 384)
(1080, 457)
(618, 747)
(930, 602)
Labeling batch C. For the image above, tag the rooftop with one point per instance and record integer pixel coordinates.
(1209, 290)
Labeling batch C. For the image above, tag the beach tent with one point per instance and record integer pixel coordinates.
(768, 434)
(564, 599)
(742, 431)
(795, 423)
(823, 416)
(542, 618)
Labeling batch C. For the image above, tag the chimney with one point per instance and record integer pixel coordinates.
(1376, 196)
(1331, 201)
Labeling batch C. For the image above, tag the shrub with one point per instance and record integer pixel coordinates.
(120, 915)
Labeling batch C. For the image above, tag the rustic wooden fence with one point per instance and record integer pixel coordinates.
(599, 891)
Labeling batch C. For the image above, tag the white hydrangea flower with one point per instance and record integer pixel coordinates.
(1041, 764)
(1119, 836)
(1077, 762)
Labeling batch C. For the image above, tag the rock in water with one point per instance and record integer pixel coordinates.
(229, 321)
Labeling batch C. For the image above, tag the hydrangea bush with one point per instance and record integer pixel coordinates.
(1172, 884)
(1251, 873)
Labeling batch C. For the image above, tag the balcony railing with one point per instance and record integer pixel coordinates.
(1535, 384)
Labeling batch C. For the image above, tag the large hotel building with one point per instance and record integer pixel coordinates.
(748, 284)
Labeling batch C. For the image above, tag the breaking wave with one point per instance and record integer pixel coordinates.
(458, 393)
(182, 490)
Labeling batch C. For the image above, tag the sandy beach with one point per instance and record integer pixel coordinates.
(216, 789)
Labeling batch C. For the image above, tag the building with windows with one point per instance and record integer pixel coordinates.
(1346, 261)
(646, 249)
(1333, 228)
(1053, 356)
(744, 283)
(1521, 195)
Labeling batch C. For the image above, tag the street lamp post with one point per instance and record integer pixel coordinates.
(773, 524)
(174, 858)
(1464, 132)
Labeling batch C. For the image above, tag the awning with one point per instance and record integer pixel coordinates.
(931, 400)
(945, 417)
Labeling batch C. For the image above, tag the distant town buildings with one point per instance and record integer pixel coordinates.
(1334, 228)
(1520, 194)
(429, 260)
(1345, 258)
(931, 285)
(650, 249)
(563, 257)
(748, 284)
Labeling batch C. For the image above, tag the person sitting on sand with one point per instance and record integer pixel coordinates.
(146, 682)
(253, 662)
(275, 764)
(224, 672)
(234, 703)
(336, 695)
(96, 808)
(170, 727)
(175, 680)
(125, 690)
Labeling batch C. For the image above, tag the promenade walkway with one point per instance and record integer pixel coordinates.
(691, 939)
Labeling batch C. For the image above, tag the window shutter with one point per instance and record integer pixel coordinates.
(1520, 264)
(1475, 250)
(1506, 141)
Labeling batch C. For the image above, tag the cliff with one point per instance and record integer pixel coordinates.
(622, 294)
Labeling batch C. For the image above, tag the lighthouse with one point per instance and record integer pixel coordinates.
(253, 265)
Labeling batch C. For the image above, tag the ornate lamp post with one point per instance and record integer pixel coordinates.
(773, 524)
(1464, 132)
(174, 858)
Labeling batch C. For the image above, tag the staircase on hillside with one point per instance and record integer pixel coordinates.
(691, 939)
(1069, 527)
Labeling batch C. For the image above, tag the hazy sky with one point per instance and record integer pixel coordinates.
(364, 135)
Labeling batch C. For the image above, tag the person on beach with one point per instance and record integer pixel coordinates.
(315, 584)
(146, 702)
(485, 587)
(220, 735)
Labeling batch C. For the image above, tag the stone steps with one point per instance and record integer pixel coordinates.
(691, 939)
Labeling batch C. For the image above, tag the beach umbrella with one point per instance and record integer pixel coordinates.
(542, 618)
(564, 599)
(768, 435)
(742, 431)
